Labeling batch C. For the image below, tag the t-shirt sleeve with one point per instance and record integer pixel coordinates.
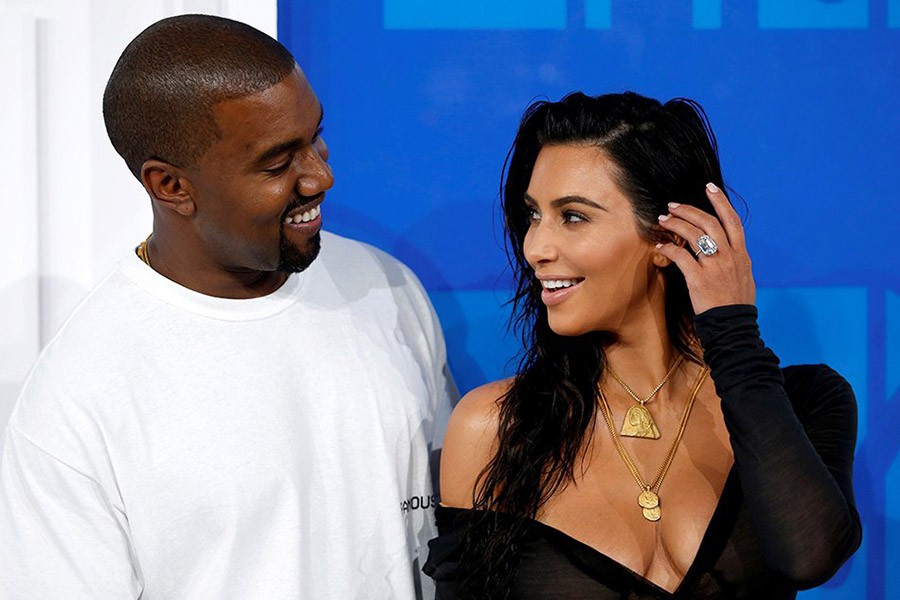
(425, 334)
(794, 459)
(444, 393)
(60, 538)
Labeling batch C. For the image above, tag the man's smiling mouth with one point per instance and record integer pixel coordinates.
(301, 216)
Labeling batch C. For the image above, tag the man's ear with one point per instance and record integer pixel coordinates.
(168, 186)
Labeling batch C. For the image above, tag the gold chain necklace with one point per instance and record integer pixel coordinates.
(648, 499)
(143, 251)
(638, 422)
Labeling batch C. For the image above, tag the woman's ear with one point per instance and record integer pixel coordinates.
(168, 186)
(663, 236)
(660, 261)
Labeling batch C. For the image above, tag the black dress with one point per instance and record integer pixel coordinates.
(786, 519)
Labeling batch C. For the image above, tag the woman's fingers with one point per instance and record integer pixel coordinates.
(682, 258)
(728, 217)
(717, 280)
(682, 228)
(690, 222)
(722, 277)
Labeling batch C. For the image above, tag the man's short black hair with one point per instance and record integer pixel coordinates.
(158, 101)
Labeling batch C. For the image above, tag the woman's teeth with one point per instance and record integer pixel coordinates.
(305, 217)
(555, 284)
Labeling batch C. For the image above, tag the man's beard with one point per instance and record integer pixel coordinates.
(294, 260)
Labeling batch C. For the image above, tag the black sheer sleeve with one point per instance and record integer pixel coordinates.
(444, 552)
(794, 460)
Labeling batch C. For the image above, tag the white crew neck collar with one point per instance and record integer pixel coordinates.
(228, 309)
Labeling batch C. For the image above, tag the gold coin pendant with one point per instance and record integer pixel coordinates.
(651, 514)
(648, 499)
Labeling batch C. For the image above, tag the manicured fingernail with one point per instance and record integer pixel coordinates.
(712, 187)
(663, 217)
(674, 205)
(658, 246)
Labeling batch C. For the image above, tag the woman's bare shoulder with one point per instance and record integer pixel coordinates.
(479, 407)
(470, 442)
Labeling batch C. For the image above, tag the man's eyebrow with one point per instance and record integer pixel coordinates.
(288, 145)
(570, 199)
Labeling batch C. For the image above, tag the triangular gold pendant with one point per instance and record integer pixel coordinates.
(639, 423)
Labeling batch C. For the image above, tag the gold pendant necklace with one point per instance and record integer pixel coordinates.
(143, 251)
(648, 499)
(638, 422)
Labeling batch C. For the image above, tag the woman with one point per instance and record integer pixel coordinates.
(649, 446)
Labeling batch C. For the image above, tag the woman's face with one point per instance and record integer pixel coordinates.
(596, 269)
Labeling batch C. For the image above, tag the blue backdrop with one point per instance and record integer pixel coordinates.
(423, 97)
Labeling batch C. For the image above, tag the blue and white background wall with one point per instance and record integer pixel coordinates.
(422, 99)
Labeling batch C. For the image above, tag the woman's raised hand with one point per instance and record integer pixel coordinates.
(717, 273)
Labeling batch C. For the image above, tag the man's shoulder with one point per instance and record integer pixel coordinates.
(95, 333)
(345, 251)
(361, 273)
(81, 357)
(347, 259)
(114, 295)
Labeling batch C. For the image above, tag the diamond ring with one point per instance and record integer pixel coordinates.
(706, 245)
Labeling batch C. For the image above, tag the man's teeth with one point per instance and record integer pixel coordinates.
(305, 217)
(555, 284)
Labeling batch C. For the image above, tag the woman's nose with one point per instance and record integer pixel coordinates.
(540, 245)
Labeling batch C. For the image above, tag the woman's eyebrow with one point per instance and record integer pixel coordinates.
(570, 199)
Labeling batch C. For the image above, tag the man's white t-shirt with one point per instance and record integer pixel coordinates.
(169, 444)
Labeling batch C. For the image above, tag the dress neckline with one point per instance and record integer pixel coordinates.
(602, 567)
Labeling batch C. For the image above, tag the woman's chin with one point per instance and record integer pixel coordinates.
(568, 327)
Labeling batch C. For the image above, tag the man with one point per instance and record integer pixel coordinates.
(230, 413)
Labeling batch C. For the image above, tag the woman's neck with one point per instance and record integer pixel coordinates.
(642, 352)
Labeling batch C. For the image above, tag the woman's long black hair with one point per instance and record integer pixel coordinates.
(662, 153)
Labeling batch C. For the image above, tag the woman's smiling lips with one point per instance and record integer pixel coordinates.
(557, 288)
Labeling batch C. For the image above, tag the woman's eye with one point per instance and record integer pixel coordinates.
(533, 214)
(573, 217)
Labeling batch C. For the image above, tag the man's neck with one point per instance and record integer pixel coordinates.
(210, 280)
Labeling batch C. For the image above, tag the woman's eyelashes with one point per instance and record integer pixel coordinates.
(567, 216)
(570, 216)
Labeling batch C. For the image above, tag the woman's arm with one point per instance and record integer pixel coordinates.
(795, 469)
(795, 461)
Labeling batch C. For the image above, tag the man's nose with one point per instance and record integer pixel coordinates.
(315, 173)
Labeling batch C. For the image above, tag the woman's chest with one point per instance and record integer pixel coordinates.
(657, 535)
